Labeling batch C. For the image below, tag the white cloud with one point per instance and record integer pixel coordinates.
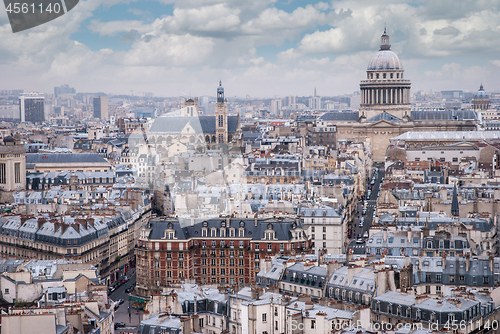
(170, 50)
(112, 28)
(207, 39)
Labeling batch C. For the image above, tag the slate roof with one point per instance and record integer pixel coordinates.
(443, 115)
(363, 281)
(323, 211)
(200, 124)
(274, 273)
(432, 222)
(51, 233)
(282, 228)
(310, 276)
(154, 326)
(9, 265)
(445, 306)
(397, 298)
(349, 116)
(331, 313)
(64, 158)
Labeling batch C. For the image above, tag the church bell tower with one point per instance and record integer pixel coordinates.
(221, 116)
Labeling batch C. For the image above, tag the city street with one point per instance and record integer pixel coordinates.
(122, 313)
(359, 248)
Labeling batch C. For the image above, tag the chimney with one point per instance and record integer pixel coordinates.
(192, 221)
(41, 221)
(420, 298)
(467, 262)
(444, 194)
(76, 227)
(255, 219)
(392, 283)
(385, 234)
(195, 306)
(351, 271)
(330, 268)
(381, 283)
(491, 261)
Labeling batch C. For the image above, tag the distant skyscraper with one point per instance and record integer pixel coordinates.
(315, 103)
(64, 89)
(31, 108)
(292, 100)
(101, 107)
(276, 106)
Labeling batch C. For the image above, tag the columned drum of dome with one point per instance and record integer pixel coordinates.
(481, 100)
(385, 88)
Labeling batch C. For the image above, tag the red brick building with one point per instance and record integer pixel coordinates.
(222, 251)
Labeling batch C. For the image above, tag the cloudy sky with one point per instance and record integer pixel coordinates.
(263, 48)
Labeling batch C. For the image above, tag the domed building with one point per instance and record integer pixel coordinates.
(481, 100)
(385, 108)
(385, 90)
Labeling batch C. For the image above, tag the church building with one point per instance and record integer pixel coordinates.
(385, 109)
(185, 129)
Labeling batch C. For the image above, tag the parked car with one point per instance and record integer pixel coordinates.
(365, 235)
(123, 281)
(119, 324)
(360, 241)
(129, 289)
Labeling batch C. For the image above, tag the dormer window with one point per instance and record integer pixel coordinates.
(222, 232)
(241, 232)
(204, 232)
(231, 232)
(213, 232)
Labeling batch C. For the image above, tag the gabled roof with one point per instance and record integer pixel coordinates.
(200, 124)
(384, 116)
